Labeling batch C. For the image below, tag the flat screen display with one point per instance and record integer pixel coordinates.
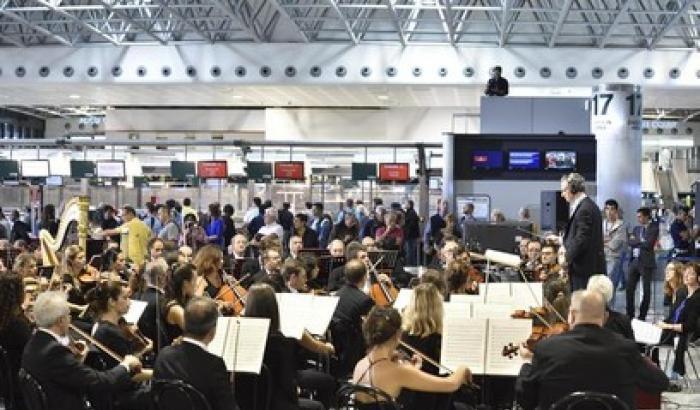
(183, 170)
(111, 169)
(212, 169)
(54, 180)
(259, 171)
(524, 160)
(9, 169)
(560, 160)
(38, 168)
(82, 169)
(397, 172)
(487, 160)
(289, 171)
(362, 171)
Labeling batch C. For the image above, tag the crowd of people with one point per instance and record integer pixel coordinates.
(190, 268)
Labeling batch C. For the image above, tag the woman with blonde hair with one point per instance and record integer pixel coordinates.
(672, 282)
(422, 329)
(209, 262)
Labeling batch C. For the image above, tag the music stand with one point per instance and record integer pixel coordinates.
(388, 259)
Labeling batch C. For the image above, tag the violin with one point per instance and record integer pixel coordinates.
(432, 362)
(232, 294)
(89, 275)
(539, 331)
(134, 336)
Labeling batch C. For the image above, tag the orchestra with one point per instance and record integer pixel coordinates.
(48, 321)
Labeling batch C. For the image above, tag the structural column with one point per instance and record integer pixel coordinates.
(616, 121)
(448, 166)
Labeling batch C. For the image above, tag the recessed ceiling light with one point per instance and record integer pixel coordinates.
(383, 97)
(74, 96)
(237, 97)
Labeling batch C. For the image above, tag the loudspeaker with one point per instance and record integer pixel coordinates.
(554, 211)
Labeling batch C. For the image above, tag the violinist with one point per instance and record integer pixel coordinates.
(110, 301)
(15, 327)
(209, 263)
(149, 288)
(59, 369)
(114, 265)
(615, 321)
(381, 369)
(294, 276)
(586, 358)
(295, 246)
(179, 289)
(75, 277)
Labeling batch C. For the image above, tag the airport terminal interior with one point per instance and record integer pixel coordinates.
(349, 204)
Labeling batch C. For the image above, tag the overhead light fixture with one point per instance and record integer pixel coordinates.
(237, 97)
(383, 97)
(74, 96)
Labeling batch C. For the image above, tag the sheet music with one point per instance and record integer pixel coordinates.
(463, 343)
(491, 311)
(457, 310)
(294, 309)
(503, 332)
(216, 346)
(467, 298)
(403, 299)
(320, 314)
(645, 332)
(244, 353)
(136, 308)
(496, 293)
(523, 296)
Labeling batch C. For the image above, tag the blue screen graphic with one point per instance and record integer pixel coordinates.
(487, 160)
(524, 160)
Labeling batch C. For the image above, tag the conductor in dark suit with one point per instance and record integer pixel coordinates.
(643, 261)
(586, 358)
(60, 370)
(190, 361)
(583, 239)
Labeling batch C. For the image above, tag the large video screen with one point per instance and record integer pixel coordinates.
(38, 168)
(398, 172)
(182, 170)
(487, 160)
(212, 169)
(259, 171)
(111, 169)
(362, 171)
(560, 160)
(82, 169)
(289, 171)
(9, 169)
(524, 160)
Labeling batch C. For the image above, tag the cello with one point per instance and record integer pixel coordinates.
(232, 294)
(381, 294)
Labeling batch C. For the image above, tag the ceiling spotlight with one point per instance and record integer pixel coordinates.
(383, 97)
(237, 97)
(74, 96)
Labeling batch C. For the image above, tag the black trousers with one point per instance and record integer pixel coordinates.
(646, 274)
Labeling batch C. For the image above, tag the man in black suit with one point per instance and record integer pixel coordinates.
(583, 239)
(62, 374)
(354, 250)
(643, 261)
(587, 358)
(309, 237)
(240, 258)
(272, 263)
(190, 361)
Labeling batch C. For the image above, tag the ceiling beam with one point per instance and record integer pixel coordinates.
(506, 4)
(224, 6)
(6, 38)
(563, 13)
(122, 14)
(35, 27)
(180, 15)
(608, 31)
(669, 25)
(79, 21)
(447, 18)
(340, 14)
(284, 14)
(397, 21)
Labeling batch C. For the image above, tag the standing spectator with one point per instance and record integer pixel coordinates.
(6, 226)
(286, 219)
(432, 236)
(271, 226)
(215, 227)
(194, 235)
(497, 85)
(376, 222)
(253, 211)
(643, 262)
(349, 208)
(257, 222)
(229, 226)
(138, 235)
(170, 231)
(467, 213)
(151, 220)
(48, 220)
(680, 233)
(321, 225)
(309, 211)
(175, 211)
(347, 230)
(391, 235)
(411, 234)
(109, 222)
(20, 229)
(187, 209)
(615, 233)
(309, 237)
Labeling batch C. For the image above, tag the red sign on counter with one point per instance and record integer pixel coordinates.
(290, 171)
(399, 172)
(212, 169)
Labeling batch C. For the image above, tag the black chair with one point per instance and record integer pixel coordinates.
(346, 398)
(176, 395)
(98, 401)
(33, 393)
(254, 391)
(7, 381)
(584, 400)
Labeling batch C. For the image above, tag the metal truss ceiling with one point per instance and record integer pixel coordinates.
(652, 24)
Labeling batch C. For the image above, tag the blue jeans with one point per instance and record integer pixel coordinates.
(411, 249)
(616, 274)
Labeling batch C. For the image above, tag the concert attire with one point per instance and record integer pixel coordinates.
(642, 265)
(583, 241)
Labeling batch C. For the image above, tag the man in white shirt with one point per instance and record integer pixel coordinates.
(295, 245)
(271, 226)
(253, 211)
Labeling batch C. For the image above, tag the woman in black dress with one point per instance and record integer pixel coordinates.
(179, 289)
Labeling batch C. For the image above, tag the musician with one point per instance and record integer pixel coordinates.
(313, 282)
(239, 250)
(110, 302)
(62, 375)
(15, 327)
(422, 330)
(280, 352)
(458, 280)
(445, 256)
(583, 238)
(190, 361)
(615, 321)
(147, 286)
(683, 320)
(380, 368)
(295, 246)
(438, 279)
(156, 246)
(336, 278)
(294, 276)
(138, 235)
(26, 266)
(586, 358)
(522, 247)
(309, 237)
(272, 261)
(179, 289)
(114, 265)
(548, 266)
(74, 276)
(209, 263)
(534, 251)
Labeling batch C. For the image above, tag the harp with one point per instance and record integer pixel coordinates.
(75, 214)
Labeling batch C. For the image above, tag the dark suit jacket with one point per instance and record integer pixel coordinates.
(690, 315)
(646, 259)
(587, 358)
(336, 279)
(280, 358)
(309, 239)
(583, 240)
(199, 368)
(64, 378)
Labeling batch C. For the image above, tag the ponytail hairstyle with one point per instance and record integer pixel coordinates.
(176, 281)
(98, 297)
(382, 324)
